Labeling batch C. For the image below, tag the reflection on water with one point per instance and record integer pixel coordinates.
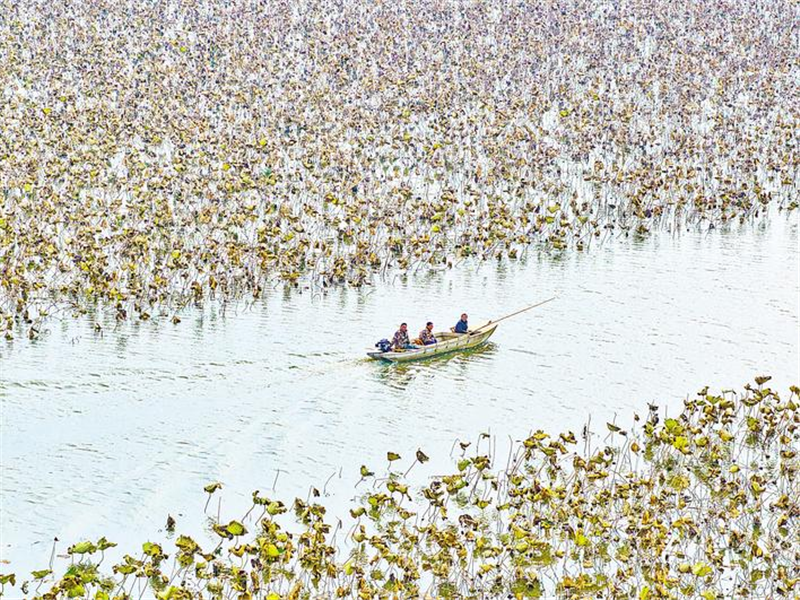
(400, 375)
(105, 432)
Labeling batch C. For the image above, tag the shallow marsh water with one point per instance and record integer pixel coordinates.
(107, 434)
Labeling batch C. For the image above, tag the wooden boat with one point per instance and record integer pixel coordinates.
(447, 342)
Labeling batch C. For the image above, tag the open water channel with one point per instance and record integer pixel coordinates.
(107, 433)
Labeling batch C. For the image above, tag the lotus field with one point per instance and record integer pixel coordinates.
(158, 155)
(703, 504)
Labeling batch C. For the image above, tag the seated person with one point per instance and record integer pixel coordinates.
(461, 326)
(400, 340)
(426, 335)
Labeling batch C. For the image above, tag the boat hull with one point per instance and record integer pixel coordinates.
(449, 343)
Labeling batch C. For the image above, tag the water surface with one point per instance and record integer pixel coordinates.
(105, 434)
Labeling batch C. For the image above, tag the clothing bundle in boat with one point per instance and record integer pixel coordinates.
(384, 345)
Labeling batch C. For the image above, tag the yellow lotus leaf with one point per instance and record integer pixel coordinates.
(680, 443)
(701, 569)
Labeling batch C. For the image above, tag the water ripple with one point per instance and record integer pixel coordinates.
(129, 425)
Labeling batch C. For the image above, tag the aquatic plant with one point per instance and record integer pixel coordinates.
(703, 504)
(155, 156)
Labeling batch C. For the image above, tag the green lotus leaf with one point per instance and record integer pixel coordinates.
(187, 544)
(235, 528)
(276, 508)
(701, 569)
(124, 569)
(151, 549)
(104, 544)
(82, 548)
(168, 593)
(260, 500)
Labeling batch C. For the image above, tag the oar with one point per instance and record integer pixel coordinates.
(522, 310)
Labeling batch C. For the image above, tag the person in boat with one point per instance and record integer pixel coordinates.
(426, 335)
(400, 340)
(462, 326)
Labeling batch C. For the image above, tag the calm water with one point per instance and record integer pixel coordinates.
(106, 435)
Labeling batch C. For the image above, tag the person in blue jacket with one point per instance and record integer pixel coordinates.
(461, 326)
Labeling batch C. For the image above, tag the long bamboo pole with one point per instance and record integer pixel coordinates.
(522, 310)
